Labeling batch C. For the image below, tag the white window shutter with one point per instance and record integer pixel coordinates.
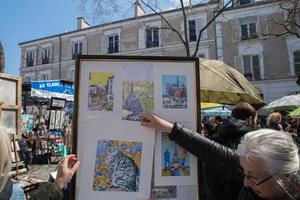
(34, 57)
(263, 25)
(238, 64)
(142, 38)
(199, 26)
(103, 49)
(84, 47)
(51, 49)
(24, 58)
(235, 30)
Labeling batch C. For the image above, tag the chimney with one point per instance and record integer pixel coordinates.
(81, 23)
(138, 10)
(2, 60)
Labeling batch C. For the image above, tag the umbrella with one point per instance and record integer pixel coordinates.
(205, 105)
(295, 113)
(286, 103)
(216, 112)
(220, 83)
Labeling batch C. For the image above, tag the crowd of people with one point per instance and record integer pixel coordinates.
(240, 158)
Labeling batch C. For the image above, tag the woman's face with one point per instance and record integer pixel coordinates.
(258, 179)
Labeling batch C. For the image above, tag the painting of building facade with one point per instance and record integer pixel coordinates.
(117, 166)
(100, 91)
(174, 92)
(175, 160)
(138, 93)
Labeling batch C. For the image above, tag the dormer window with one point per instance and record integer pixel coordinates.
(152, 37)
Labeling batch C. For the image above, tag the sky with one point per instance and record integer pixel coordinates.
(25, 20)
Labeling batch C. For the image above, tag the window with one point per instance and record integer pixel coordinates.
(248, 31)
(30, 58)
(297, 62)
(251, 67)
(113, 44)
(76, 49)
(152, 37)
(44, 77)
(192, 31)
(45, 55)
(244, 2)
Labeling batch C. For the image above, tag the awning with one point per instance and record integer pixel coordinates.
(53, 88)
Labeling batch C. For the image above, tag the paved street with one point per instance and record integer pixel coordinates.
(40, 172)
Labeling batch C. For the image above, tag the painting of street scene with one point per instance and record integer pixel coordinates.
(100, 91)
(163, 192)
(117, 166)
(175, 160)
(138, 93)
(174, 92)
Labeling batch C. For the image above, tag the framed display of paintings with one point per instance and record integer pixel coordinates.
(10, 101)
(112, 93)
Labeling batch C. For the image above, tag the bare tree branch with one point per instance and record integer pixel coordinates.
(165, 20)
(208, 24)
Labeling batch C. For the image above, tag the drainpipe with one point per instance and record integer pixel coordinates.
(59, 59)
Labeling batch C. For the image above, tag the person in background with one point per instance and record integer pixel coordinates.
(217, 122)
(274, 121)
(243, 119)
(49, 191)
(266, 161)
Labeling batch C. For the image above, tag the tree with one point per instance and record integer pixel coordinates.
(291, 24)
(186, 7)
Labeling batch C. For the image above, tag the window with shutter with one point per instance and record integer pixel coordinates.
(251, 67)
(297, 62)
(255, 66)
(152, 37)
(244, 31)
(76, 49)
(192, 31)
(247, 67)
(113, 44)
(45, 55)
(30, 58)
(252, 30)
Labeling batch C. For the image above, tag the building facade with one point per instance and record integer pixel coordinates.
(238, 37)
(244, 41)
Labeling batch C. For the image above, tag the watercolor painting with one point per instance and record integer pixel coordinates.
(174, 92)
(117, 166)
(175, 160)
(138, 92)
(163, 192)
(100, 91)
(52, 119)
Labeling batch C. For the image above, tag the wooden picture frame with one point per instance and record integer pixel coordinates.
(10, 98)
(94, 112)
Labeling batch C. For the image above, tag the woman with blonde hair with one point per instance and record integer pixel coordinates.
(49, 191)
(274, 121)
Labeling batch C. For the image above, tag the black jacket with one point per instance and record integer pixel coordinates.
(225, 160)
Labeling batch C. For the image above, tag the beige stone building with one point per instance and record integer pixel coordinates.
(53, 57)
(243, 41)
(238, 37)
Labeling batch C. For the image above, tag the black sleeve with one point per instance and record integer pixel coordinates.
(208, 151)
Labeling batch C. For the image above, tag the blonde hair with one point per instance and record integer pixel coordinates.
(273, 118)
(5, 156)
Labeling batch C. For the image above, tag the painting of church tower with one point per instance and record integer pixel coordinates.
(138, 92)
(174, 92)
